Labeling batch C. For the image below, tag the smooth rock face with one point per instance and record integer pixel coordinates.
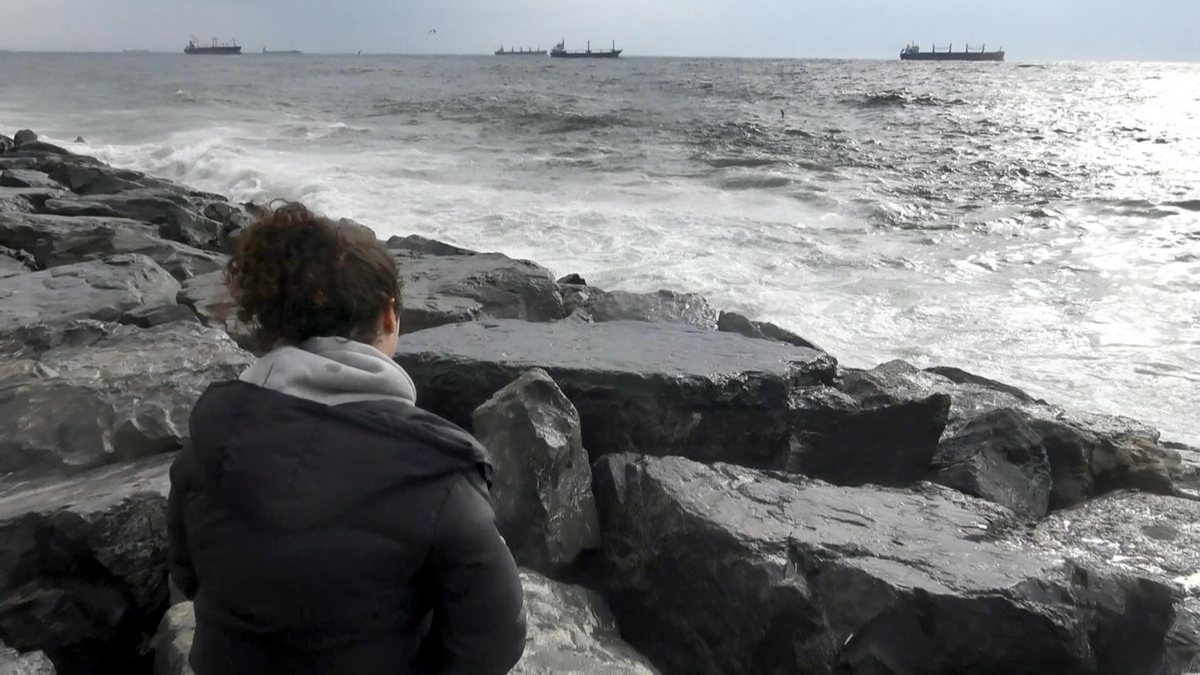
(13, 662)
(208, 295)
(998, 457)
(719, 569)
(570, 632)
(60, 240)
(850, 442)
(653, 388)
(102, 289)
(84, 571)
(1145, 536)
(732, 322)
(173, 641)
(665, 306)
(444, 289)
(1089, 454)
(542, 491)
(24, 178)
(176, 218)
(93, 393)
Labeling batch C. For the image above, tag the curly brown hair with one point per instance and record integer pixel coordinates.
(295, 275)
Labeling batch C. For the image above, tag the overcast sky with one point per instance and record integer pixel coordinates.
(1166, 30)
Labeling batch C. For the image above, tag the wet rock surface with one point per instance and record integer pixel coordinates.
(801, 576)
(542, 491)
(60, 240)
(129, 391)
(684, 390)
(445, 289)
(103, 289)
(1089, 454)
(84, 576)
(13, 662)
(731, 322)
(593, 304)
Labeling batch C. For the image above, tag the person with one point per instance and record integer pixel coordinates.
(321, 522)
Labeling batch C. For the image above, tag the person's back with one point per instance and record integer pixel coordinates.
(321, 521)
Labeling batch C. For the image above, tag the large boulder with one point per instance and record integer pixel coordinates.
(177, 218)
(732, 322)
(998, 457)
(25, 178)
(1089, 454)
(89, 393)
(1151, 537)
(721, 569)
(208, 295)
(415, 243)
(444, 289)
(13, 662)
(543, 483)
(25, 136)
(593, 304)
(101, 289)
(656, 388)
(83, 576)
(570, 632)
(61, 240)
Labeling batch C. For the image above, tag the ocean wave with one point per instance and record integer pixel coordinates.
(755, 182)
(739, 162)
(901, 98)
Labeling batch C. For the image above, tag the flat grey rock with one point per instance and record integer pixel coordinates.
(720, 569)
(13, 263)
(208, 295)
(62, 240)
(26, 178)
(128, 391)
(84, 577)
(648, 387)
(176, 216)
(593, 304)
(101, 289)
(27, 200)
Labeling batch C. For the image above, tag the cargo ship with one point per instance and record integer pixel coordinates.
(520, 52)
(560, 52)
(913, 52)
(214, 49)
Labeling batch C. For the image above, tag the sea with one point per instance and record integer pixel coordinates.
(1037, 223)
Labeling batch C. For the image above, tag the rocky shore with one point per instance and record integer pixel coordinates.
(687, 490)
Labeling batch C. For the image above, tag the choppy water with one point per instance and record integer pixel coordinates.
(1034, 223)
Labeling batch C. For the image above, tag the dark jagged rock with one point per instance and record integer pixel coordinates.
(128, 391)
(543, 482)
(570, 630)
(84, 574)
(444, 289)
(647, 387)
(209, 298)
(1089, 454)
(13, 662)
(998, 457)
(92, 179)
(1146, 536)
(850, 442)
(176, 218)
(79, 139)
(960, 376)
(6, 144)
(572, 279)
(102, 289)
(149, 317)
(664, 306)
(1186, 475)
(719, 569)
(26, 178)
(424, 245)
(24, 137)
(60, 240)
(731, 322)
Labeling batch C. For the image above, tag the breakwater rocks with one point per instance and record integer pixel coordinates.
(687, 490)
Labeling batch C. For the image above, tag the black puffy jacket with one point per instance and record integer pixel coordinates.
(353, 539)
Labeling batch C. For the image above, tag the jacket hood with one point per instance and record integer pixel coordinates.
(333, 371)
(285, 461)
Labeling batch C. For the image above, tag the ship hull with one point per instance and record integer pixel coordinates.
(952, 56)
(520, 53)
(213, 51)
(587, 55)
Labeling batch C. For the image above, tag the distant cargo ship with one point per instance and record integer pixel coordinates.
(520, 52)
(560, 52)
(282, 52)
(215, 49)
(913, 53)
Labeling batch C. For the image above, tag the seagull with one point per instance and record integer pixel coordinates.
(432, 30)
